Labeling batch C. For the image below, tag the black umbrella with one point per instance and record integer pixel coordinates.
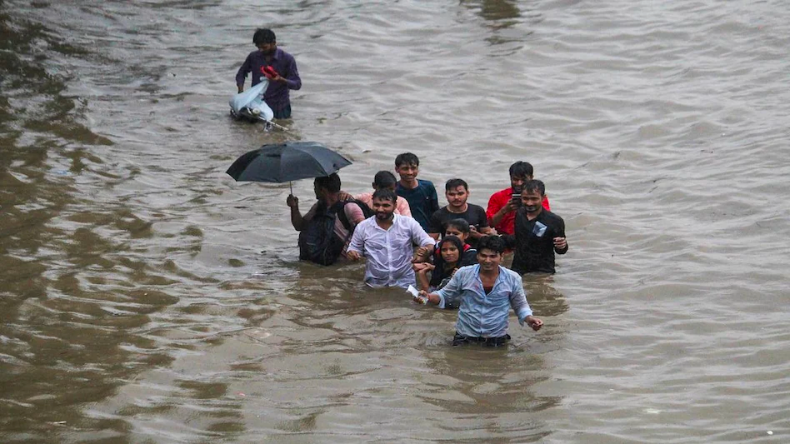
(286, 162)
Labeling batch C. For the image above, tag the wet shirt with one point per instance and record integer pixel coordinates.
(497, 201)
(389, 252)
(534, 242)
(276, 95)
(423, 201)
(484, 315)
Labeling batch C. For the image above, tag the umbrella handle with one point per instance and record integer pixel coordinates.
(290, 184)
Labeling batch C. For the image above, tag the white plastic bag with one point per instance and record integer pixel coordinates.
(250, 103)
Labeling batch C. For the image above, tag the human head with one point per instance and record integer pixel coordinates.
(519, 173)
(384, 203)
(532, 193)
(458, 228)
(489, 252)
(456, 192)
(535, 186)
(265, 40)
(324, 186)
(450, 247)
(407, 158)
(407, 166)
(384, 179)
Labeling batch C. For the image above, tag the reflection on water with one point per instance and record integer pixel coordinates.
(496, 10)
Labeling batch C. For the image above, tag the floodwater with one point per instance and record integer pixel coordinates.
(145, 297)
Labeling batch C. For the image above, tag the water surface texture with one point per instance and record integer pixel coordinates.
(146, 297)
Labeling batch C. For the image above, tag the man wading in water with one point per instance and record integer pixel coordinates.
(276, 65)
(486, 291)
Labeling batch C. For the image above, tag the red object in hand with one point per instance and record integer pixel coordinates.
(269, 72)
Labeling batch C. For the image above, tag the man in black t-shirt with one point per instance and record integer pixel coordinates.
(457, 193)
(539, 233)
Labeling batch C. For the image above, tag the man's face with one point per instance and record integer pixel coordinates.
(516, 182)
(407, 172)
(319, 192)
(267, 48)
(457, 196)
(489, 260)
(384, 209)
(532, 200)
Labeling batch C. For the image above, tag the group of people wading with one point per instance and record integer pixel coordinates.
(457, 262)
(459, 251)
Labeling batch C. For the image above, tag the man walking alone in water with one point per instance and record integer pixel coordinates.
(276, 65)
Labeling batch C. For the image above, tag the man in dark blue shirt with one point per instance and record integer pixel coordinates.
(283, 78)
(421, 194)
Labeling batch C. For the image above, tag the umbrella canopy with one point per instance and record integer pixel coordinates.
(286, 162)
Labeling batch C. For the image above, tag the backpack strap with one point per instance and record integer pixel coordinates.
(339, 209)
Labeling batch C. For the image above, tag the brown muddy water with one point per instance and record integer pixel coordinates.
(145, 297)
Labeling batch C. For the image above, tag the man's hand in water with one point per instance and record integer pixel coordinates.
(533, 322)
(352, 255)
(427, 297)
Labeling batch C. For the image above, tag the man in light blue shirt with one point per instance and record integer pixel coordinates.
(486, 292)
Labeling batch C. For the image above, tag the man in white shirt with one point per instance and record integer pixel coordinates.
(387, 241)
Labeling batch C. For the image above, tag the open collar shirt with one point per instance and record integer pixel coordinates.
(389, 252)
(485, 315)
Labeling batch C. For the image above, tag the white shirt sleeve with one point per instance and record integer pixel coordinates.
(358, 239)
(418, 235)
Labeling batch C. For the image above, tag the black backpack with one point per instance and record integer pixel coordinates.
(318, 242)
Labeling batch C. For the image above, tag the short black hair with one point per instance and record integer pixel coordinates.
(493, 243)
(385, 194)
(461, 224)
(534, 185)
(521, 169)
(263, 35)
(330, 183)
(384, 179)
(407, 158)
(455, 183)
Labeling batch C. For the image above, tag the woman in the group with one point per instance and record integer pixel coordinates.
(448, 257)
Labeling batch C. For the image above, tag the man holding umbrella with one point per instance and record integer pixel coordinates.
(325, 229)
(326, 191)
